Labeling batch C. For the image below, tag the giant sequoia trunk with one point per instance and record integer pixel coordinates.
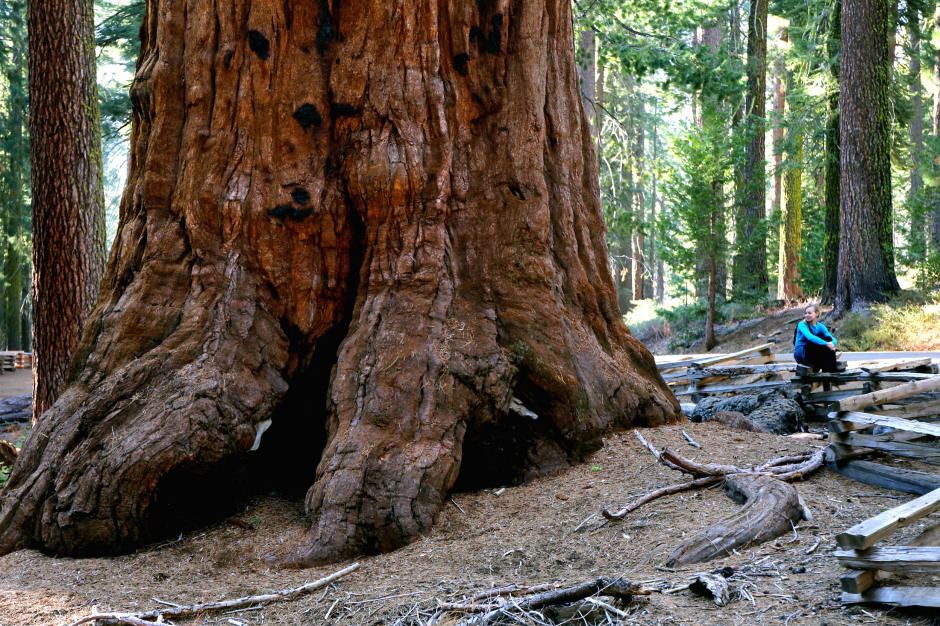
(390, 207)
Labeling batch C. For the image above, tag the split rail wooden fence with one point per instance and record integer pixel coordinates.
(874, 410)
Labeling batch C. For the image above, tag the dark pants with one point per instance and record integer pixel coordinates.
(816, 356)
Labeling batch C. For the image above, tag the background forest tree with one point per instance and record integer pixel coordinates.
(678, 77)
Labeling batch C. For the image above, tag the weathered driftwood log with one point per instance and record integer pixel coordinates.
(771, 508)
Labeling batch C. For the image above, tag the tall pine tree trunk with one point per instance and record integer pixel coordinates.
(791, 235)
(918, 239)
(934, 228)
(389, 205)
(15, 178)
(750, 263)
(639, 234)
(866, 250)
(780, 99)
(67, 192)
(830, 257)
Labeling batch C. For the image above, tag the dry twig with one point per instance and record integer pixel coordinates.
(136, 619)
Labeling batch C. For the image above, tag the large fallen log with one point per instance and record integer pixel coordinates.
(771, 509)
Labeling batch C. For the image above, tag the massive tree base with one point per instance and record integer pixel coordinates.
(371, 226)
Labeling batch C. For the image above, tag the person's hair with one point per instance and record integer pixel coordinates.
(815, 308)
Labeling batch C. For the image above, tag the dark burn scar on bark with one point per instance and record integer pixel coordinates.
(259, 44)
(281, 211)
(228, 58)
(286, 211)
(491, 43)
(325, 34)
(460, 63)
(300, 195)
(307, 116)
(339, 109)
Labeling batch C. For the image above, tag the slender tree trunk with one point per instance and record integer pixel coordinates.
(67, 192)
(780, 99)
(750, 267)
(289, 215)
(918, 239)
(710, 341)
(830, 255)
(15, 176)
(639, 235)
(934, 243)
(711, 38)
(653, 255)
(599, 108)
(791, 242)
(791, 219)
(866, 250)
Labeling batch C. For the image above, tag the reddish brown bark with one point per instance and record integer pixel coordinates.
(866, 249)
(67, 194)
(417, 181)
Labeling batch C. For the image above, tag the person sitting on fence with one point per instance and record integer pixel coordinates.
(813, 345)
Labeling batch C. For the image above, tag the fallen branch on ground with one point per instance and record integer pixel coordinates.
(614, 587)
(659, 493)
(136, 619)
(471, 606)
(784, 468)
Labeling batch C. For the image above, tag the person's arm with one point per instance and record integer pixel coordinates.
(803, 328)
(829, 336)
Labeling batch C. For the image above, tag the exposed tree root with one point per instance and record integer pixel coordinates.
(771, 506)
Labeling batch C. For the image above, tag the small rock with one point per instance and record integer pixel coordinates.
(798, 570)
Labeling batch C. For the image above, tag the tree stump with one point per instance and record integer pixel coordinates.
(385, 209)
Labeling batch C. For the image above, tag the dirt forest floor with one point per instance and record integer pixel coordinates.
(525, 534)
(16, 383)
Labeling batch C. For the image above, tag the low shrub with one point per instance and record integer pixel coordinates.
(908, 322)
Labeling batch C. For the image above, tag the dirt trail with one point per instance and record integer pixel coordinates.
(16, 383)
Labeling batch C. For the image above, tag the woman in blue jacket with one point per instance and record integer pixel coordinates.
(814, 346)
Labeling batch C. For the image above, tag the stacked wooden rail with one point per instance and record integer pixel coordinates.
(12, 360)
(861, 548)
(819, 391)
(754, 369)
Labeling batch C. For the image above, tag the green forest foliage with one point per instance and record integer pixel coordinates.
(655, 48)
